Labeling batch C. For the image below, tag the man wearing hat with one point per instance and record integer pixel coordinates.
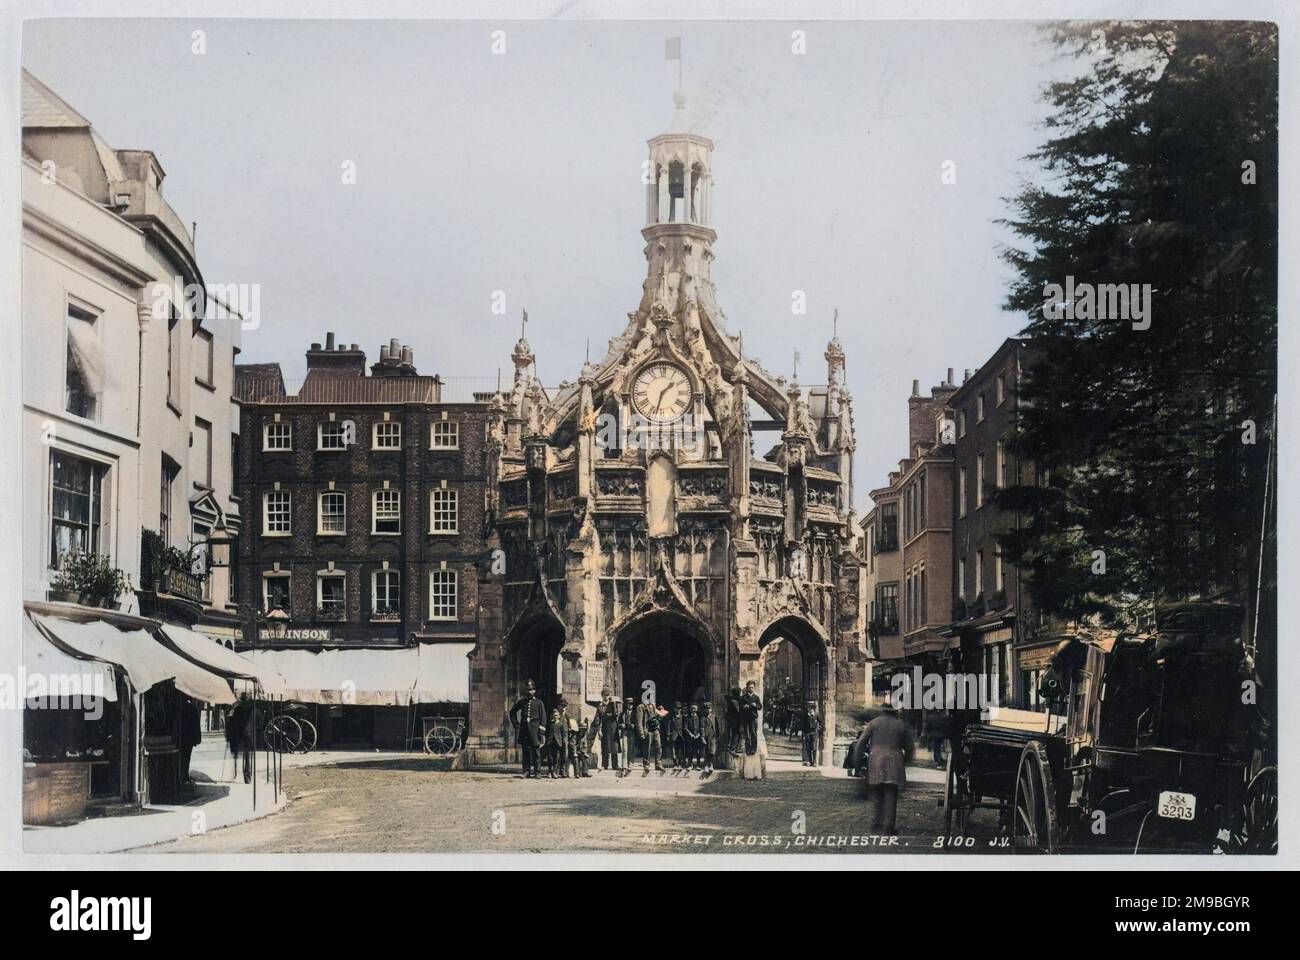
(811, 727)
(649, 722)
(677, 735)
(708, 735)
(627, 733)
(607, 729)
(528, 717)
(888, 743)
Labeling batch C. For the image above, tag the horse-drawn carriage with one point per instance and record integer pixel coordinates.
(1149, 744)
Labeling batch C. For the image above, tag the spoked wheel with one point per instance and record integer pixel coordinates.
(308, 742)
(956, 802)
(283, 734)
(1033, 809)
(441, 741)
(1255, 830)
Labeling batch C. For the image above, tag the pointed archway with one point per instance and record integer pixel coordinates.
(533, 646)
(797, 636)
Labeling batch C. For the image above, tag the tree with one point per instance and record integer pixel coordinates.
(1160, 172)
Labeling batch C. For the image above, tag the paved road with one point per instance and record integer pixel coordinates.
(412, 804)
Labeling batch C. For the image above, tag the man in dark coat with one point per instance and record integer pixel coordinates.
(693, 738)
(607, 726)
(811, 727)
(751, 708)
(627, 733)
(677, 735)
(528, 717)
(708, 735)
(239, 735)
(887, 741)
(733, 721)
(557, 744)
(191, 734)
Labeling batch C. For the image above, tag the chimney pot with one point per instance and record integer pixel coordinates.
(408, 355)
(394, 347)
(383, 351)
(965, 376)
(949, 381)
(354, 347)
(315, 346)
(329, 341)
(916, 388)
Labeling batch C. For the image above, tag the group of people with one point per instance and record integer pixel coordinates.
(687, 735)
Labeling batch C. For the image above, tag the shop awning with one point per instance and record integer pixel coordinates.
(443, 675)
(51, 672)
(426, 674)
(146, 661)
(223, 660)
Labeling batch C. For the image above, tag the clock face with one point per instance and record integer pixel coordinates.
(661, 392)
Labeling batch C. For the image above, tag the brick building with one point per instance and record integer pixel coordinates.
(364, 507)
(993, 621)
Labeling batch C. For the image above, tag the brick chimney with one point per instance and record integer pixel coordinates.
(343, 361)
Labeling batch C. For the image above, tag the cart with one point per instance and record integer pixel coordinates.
(443, 736)
(1146, 746)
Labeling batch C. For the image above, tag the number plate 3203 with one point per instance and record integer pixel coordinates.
(1176, 806)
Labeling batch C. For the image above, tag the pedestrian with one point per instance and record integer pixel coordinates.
(627, 730)
(751, 709)
(649, 721)
(733, 721)
(607, 725)
(935, 726)
(240, 732)
(677, 735)
(191, 735)
(693, 738)
(811, 727)
(888, 743)
(528, 717)
(557, 743)
(708, 735)
(579, 737)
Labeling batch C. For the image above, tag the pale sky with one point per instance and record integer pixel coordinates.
(521, 172)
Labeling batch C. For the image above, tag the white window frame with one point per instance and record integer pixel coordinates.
(320, 592)
(446, 577)
(342, 435)
(320, 514)
(1002, 388)
(979, 480)
(288, 589)
(961, 423)
(979, 408)
(89, 315)
(438, 515)
(266, 513)
(999, 573)
(1000, 465)
(961, 491)
(979, 572)
(375, 577)
(288, 436)
(374, 513)
(961, 578)
(97, 532)
(396, 425)
(451, 427)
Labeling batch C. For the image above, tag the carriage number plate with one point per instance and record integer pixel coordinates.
(1176, 806)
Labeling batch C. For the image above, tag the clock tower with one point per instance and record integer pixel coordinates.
(643, 545)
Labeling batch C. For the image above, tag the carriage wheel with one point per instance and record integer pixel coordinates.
(283, 734)
(441, 741)
(308, 741)
(1033, 809)
(956, 805)
(1256, 830)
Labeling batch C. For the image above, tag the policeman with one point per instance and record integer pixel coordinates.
(528, 717)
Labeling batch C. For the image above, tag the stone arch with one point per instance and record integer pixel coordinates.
(678, 653)
(816, 663)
